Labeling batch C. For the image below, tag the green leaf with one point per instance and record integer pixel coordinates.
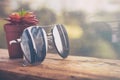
(22, 12)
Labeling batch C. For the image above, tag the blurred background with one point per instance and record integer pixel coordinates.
(93, 26)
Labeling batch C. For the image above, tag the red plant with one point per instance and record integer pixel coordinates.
(22, 17)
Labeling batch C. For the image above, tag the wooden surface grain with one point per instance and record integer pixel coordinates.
(54, 67)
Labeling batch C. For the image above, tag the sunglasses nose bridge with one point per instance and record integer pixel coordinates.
(51, 45)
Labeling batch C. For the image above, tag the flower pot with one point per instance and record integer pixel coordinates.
(14, 32)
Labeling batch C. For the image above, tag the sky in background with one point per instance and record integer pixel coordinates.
(89, 6)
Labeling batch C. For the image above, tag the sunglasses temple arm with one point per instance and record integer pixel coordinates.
(15, 41)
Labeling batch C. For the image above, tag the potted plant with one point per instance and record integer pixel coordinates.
(18, 21)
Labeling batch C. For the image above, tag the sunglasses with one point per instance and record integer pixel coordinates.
(35, 42)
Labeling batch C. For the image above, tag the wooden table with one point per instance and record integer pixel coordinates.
(53, 67)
